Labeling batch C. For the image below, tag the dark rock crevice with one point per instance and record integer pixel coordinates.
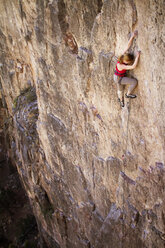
(22, 13)
(17, 223)
(100, 5)
(62, 13)
(134, 14)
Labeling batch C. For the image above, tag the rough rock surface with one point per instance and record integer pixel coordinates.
(94, 173)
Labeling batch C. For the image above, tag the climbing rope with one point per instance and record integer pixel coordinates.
(124, 165)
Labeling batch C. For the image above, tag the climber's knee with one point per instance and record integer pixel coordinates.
(135, 82)
(132, 86)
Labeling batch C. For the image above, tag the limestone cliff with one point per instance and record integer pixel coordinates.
(94, 172)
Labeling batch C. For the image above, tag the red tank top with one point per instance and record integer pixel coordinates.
(121, 73)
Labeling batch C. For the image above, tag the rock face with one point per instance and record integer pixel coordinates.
(94, 173)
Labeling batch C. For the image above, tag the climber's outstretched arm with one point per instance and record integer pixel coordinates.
(134, 34)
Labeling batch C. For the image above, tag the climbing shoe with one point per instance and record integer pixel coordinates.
(130, 96)
(121, 102)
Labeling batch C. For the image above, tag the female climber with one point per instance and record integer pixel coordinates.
(126, 62)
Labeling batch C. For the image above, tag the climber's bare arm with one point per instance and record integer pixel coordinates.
(129, 67)
(134, 34)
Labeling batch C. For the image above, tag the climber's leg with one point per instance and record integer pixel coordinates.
(132, 84)
(119, 90)
(120, 94)
(119, 87)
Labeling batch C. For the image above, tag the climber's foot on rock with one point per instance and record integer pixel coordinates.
(121, 102)
(130, 96)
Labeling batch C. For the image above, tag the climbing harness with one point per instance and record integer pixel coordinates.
(121, 73)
